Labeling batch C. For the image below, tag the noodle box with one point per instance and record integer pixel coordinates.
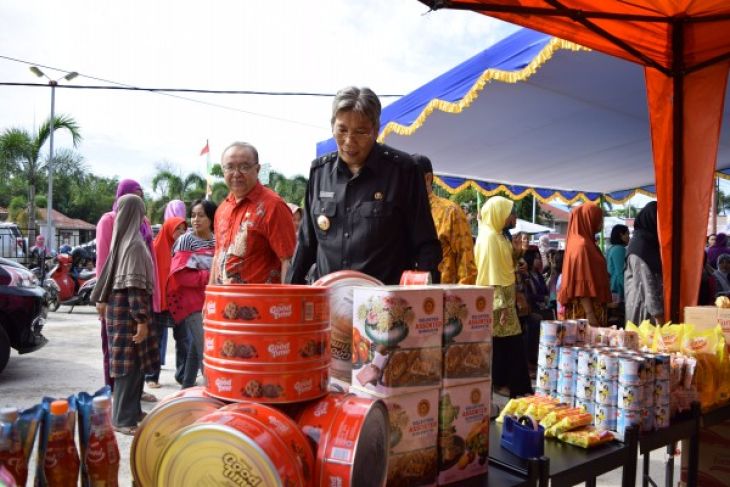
(464, 431)
(414, 429)
(397, 338)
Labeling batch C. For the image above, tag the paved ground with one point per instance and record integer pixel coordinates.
(71, 362)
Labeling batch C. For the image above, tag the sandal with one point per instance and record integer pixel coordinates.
(153, 385)
(126, 430)
(147, 397)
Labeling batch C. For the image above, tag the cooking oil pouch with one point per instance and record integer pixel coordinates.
(83, 406)
(45, 405)
(586, 437)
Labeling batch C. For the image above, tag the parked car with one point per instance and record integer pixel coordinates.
(12, 244)
(23, 311)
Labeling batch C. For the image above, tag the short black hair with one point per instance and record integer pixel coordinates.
(208, 207)
(424, 163)
(616, 232)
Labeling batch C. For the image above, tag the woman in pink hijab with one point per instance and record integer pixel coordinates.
(104, 231)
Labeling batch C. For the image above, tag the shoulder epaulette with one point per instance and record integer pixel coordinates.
(320, 161)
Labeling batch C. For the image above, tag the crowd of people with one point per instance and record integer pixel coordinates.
(368, 207)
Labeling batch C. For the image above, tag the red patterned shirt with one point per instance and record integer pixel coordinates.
(252, 237)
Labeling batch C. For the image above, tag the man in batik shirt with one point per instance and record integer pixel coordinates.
(454, 233)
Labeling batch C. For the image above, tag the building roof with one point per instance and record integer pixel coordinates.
(558, 214)
(63, 222)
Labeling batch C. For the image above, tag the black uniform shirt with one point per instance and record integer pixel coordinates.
(377, 222)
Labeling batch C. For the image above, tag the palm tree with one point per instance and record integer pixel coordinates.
(174, 187)
(20, 150)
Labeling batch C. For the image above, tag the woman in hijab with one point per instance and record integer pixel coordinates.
(717, 249)
(173, 227)
(495, 267)
(175, 208)
(123, 295)
(104, 230)
(616, 258)
(643, 275)
(584, 289)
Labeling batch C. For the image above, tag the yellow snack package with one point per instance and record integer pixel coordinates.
(707, 347)
(586, 437)
(646, 334)
(569, 423)
(538, 410)
(668, 338)
(558, 414)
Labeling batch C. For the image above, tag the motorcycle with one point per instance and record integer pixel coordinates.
(64, 289)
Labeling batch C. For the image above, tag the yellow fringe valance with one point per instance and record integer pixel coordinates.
(488, 75)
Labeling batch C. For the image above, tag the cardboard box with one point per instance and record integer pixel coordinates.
(413, 459)
(714, 462)
(708, 317)
(464, 431)
(397, 335)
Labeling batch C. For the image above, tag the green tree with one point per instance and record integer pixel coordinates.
(172, 185)
(20, 151)
(292, 190)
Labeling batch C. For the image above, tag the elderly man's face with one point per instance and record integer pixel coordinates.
(240, 170)
(355, 137)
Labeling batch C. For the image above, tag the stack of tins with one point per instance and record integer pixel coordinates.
(266, 343)
(191, 439)
(344, 352)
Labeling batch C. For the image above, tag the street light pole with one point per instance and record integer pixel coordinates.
(49, 200)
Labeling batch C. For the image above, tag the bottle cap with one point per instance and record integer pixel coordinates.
(101, 402)
(59, 407)
(8, 415)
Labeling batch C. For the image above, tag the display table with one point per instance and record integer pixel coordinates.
(683, 427)
(567, 465)
(717, 415)
(499, 477)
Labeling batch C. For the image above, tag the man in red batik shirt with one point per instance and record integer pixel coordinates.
(254, 230)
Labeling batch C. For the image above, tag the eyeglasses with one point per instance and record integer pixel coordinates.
(342, 133)
(239, 169)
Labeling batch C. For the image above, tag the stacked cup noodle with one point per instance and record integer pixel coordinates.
(547, 358)
(605, 411)
(465, 402)
(403, 326)
(585, 378)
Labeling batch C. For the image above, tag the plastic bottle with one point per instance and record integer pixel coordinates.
(11, 447)
(61, 463)
(102, 453)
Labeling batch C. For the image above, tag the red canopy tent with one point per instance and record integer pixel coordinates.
(684, 46)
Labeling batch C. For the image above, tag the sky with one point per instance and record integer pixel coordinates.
(392, 46)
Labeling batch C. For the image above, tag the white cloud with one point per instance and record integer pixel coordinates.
(390, 45)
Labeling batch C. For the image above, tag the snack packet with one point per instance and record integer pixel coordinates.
(646, 334)
(518, 406)
(668, 338)
(553, 417)
(569, 423)
(538, 410)
(586, 437)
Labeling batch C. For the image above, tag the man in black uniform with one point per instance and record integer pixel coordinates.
(366, 207)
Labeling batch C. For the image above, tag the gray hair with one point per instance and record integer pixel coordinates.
(242, 145)
(358, 100)
(723, 258)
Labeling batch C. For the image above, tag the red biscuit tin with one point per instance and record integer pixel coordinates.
(253, 347)
(231, 448)
(267, 303)
(267, 383)
(352, 438)
(285, 428)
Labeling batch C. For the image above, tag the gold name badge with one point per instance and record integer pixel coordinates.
(323, 222)
(378, 196)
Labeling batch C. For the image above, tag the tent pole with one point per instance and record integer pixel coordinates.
(713, 205)
(677, 166)
(534, 209)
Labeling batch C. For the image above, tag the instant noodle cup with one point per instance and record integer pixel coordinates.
(567, 360)
(569, 332)
(266, 348)
(237, 448)
(586, 362)
(605, 417)
(351, 439)
(606, 392)
(632, 370)
(159, 427)
(285, 428)
(267, 383)
(581, 332)
(547, 379)
(547, 356)
(550, 333)
(566, 383)
(626, 419)
(340, 285)
(585, 387)
(607, 364)
(630, 396)
(267, 303)
(587, 404)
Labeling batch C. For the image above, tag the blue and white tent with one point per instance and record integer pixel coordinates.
(533, 114)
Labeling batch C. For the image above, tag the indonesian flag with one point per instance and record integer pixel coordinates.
(208, 168)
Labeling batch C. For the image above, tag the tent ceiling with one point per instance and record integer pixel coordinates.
(579, 123)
